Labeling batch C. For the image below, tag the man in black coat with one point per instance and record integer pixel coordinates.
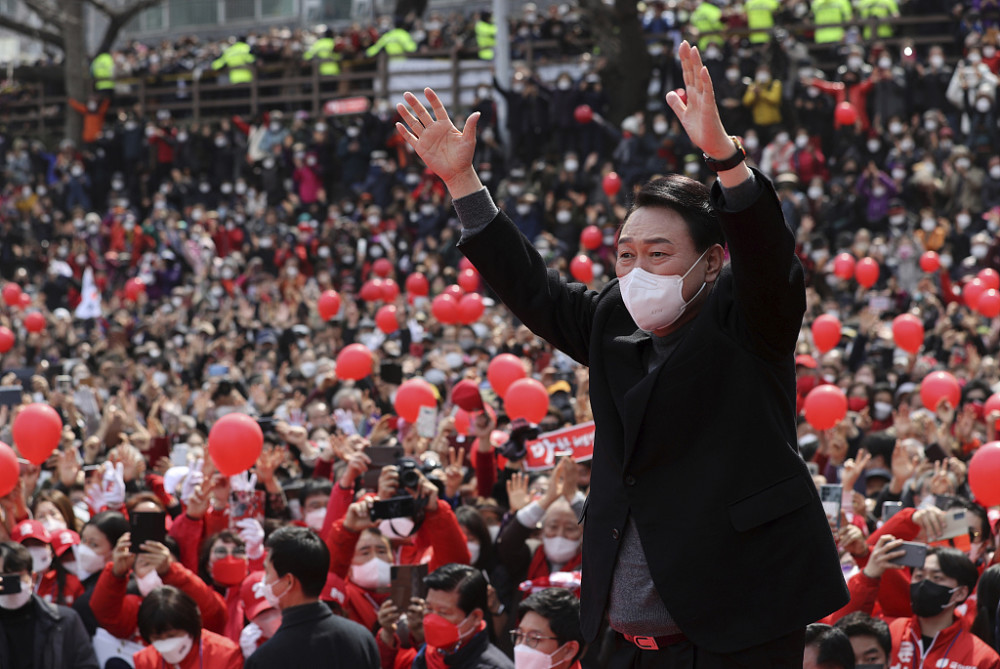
(706, 544)
(34, 633)
(310, 635)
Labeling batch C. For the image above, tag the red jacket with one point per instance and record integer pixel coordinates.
(48, 587)
(960, 648)
(215, 651)
(118, 612)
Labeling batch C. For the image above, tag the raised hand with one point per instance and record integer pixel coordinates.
(700, 115)
(517, 492)
(444, 148)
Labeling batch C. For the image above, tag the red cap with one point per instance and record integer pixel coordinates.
(334, 590)
(806, 361)
(466, 395)
(30, 529)
(62, 540)
(253, 602)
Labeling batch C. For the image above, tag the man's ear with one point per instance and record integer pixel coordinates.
(715, 258)
(960, 595)
(567, 652)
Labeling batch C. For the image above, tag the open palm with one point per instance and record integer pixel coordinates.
(699, 114)
(445, 149)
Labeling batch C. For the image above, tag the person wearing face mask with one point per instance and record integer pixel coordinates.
(295, 571)
(362, 553)
(963, 183)
(454, 619)
(52, 582)
(97, 540)
(224, 564)
(170, 622)
(671, 331)
(34, 633)
(763, 98)
(264, 619)
(548, 631)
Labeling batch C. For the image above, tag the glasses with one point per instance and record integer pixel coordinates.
(530, 639)
(975, 535)
(222, 551)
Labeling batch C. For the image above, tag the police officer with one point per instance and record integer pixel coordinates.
(236, 58)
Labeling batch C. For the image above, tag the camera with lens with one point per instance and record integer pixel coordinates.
(409, 473)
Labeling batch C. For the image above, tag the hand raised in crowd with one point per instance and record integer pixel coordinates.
(885, 549)
(388, 482)
(854, 468)
(388, 616)
(557, 483)
(931, 521)
(446, 150)
(197, 503)
(267, 464)
(415, 619)
(518, 496)
(122, 557)
(358, 516)
(154, 555)
(68, 466)
(851, 539)
(357, 464)
(454, 472)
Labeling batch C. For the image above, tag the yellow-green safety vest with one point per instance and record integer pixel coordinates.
(486, 39)
(236, 57)
(103, 71)
(397, 42)
(878, 9)
(760, 19)
(323, 49)
(826, 12)
(707, 18)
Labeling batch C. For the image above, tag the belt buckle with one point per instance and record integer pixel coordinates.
(646, 642)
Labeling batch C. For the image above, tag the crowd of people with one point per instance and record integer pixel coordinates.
(236, 227)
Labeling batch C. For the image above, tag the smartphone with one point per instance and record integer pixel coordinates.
(890, 509)
(64, 383)
(934, 452)
(179, 455)
(427, 422)
(831, 495)
(147, 526)
(956, 524)
(10, 584)
(407, 581)
(380, 456)
(246, 504)
(159, 447)
(218, 370)
(402, 506)
(10, 396)
(914, 557)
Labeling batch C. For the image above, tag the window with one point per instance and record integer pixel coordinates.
(239, 9)
(193, 13)
(273, 8)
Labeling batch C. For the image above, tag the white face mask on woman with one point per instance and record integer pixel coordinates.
(175, 649)
(656, 301)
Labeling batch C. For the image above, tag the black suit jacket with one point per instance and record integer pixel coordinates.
(701, 452)
(311, 636)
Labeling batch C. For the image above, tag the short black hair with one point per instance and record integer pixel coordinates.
(561, 608)
(315, 487)
(16, 558)
(472, 520)
(833, 648)
(860, 623)
(468, 581)
(111, 524)
(880, 443)
(690, 199)
(957, 565)
(168, 609)
(300, 552)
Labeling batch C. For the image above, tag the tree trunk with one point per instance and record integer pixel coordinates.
(621, 44)
(76, 66)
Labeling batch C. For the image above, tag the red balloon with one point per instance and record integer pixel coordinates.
(6, 341)
(866, 272)
(843, 265)
(455, 291)
(354, 362)
(328, 304)
(845, 114)
(611, 184)
(468, 280)
(908, 332)
(444, 307)
(972, 291)
(390, 290)
(133, 289)
(528, 399)
(382, 267)
(938, 385)
(463, 421)
(34, 322)
(582, 269)
(12, 294)
(826, 332)
(465, 264)
(412, 395)
(385, 319)
(37, 431)
(9, 469)
(417, 284)
(25, 300)
(990, 278)
(825, 406)
(591, 238)
(470, 308)
(234, 443)
(989, 303)
(504, 370)
(583, 114)
(984, 474)
(930, 262)
(992, 404)
(371, 290)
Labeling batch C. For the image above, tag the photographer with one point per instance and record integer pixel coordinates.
(362, 554)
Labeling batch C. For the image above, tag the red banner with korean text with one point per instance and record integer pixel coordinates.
(576, 442)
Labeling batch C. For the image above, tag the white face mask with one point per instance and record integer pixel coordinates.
(314, 519)
(371, 575)
(494, 531)
(896, 128)
(396, 528)
(88, 562)
(53, 524)
(266, 590)
(474, 551)
(18, 599)
(979, 251)
(560, 549)
(526, 657)
(564, 216)
(751, 142)
(982, 105)
(928, 224)
(995, 171)
(882, 410)
(41, 558)
(936, 61)
(815, 192)
(963, 221)
(174, 650)
(801, 141)
(654, 300)
(149, 582)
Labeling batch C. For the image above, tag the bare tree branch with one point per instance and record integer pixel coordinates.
(119, 17)
(47, 12)
(41, 34)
